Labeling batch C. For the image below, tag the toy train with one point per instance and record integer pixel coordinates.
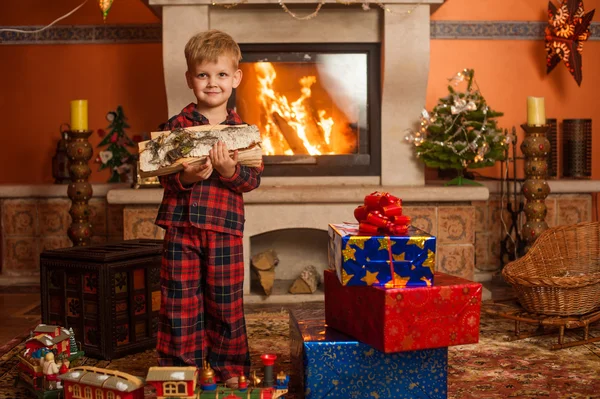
(40, 373)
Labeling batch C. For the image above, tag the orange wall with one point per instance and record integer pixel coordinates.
(508, 71)
(38, 81)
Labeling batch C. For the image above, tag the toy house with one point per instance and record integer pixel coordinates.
(173, 381)
(94, 382)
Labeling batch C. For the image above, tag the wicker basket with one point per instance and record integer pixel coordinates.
(560, 274)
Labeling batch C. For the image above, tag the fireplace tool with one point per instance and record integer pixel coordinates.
(512, 245)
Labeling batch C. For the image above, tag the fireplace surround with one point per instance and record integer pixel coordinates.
(292, 211)
(404, 60)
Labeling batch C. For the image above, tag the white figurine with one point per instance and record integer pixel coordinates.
(50, 369)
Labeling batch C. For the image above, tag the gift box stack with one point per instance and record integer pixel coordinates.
(389, 317)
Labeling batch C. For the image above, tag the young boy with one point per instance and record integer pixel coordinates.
(202, 272)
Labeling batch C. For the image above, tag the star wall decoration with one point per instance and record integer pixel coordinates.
(568, 28)
(105, 6)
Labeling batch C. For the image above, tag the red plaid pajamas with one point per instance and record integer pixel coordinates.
(202, 312)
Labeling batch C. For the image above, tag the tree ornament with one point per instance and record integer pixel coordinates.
(568, 28)
(460, 132)
(116, 155)
(105, 156)
(105, 7)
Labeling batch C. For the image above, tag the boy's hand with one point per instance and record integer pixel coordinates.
(221, 160)
(193, 173)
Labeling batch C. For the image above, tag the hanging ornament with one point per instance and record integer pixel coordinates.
(105, 156)
(568, 27)
(105, 7)
(460, 106)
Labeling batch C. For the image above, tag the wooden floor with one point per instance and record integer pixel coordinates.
(19, 311)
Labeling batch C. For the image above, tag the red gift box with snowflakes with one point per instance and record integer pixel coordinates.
(406, 319)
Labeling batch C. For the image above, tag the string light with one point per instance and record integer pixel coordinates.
(306, 17)
(365, 4)
(230, 5)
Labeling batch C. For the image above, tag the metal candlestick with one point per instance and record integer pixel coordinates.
(535, 148)
(80, 151)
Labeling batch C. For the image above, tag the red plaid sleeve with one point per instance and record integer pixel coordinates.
(244, 178)
(214, 204)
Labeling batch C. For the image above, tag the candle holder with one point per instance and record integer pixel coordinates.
(80, 191)
(535, 148)
(552, 136)
(577, 148)
(60, 160)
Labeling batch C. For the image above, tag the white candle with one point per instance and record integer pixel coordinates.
(536, 114)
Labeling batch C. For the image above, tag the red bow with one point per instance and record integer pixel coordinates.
(381, 214)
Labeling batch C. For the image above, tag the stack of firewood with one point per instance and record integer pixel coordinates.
(307, 282)
(263, 265)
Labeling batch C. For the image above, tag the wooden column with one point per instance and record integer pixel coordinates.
(80, 151)
(535, 149)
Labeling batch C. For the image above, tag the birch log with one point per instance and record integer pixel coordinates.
(307, 282)
(163, 155)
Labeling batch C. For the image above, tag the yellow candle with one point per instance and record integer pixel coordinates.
(536, 114)
(79, 115)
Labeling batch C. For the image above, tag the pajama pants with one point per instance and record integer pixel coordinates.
(201, 307)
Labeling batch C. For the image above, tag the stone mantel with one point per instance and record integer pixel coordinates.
(562, 186)
(320, 195)
(52, 190)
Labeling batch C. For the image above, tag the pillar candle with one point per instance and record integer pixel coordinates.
(536, 114)
(79, 115)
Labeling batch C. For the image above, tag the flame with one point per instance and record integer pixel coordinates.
(291, 127)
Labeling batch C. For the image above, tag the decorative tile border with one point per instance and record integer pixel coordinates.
(152, 33)
(496, 30)
(84, 34)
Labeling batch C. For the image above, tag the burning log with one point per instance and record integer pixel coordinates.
(314, 132)
(307, 282)
(290, 135)
(166, 151)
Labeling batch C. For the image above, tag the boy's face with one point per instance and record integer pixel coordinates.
(213, 82)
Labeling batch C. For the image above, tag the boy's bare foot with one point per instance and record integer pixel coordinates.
(232, 383)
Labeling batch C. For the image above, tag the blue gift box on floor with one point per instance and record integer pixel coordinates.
(327, 364)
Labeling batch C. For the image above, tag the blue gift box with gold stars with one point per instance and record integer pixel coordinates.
(327, 364)
(393, 262)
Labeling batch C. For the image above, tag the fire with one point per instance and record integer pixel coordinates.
(291, 128)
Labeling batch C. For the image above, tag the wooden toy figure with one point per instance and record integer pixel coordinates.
(50, 370)
(243, 384)
(207, 378)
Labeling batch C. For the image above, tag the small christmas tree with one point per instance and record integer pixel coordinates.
(461, 132)
(73, 344)
(116, 156)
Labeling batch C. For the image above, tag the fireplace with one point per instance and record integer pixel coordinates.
(316, 105)
(301, 193)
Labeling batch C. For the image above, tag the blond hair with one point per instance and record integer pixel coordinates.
(209, 46)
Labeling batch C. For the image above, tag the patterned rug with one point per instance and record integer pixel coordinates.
(493, 368)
